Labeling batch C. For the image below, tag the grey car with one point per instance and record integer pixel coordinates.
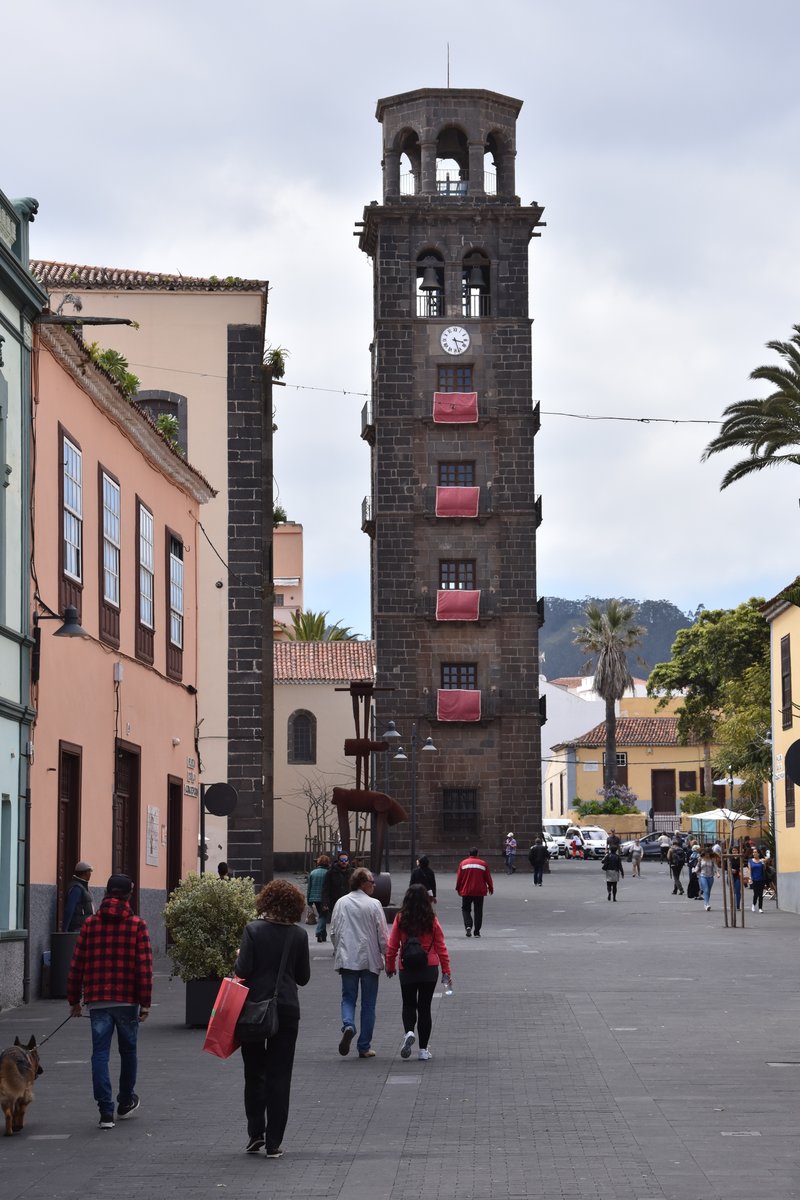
(649, 843)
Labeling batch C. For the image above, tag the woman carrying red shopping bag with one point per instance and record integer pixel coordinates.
(273, 952)
(221, 1033)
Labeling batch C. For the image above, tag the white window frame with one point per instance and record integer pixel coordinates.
(176, 576)
(112, 545)
(72, 532)
(147, 550)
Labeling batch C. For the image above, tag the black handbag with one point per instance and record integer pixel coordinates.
(258, 1020)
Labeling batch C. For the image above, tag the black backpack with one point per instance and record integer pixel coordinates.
(678, 857)
(413, 956)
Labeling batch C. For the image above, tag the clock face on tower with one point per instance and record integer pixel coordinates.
(455, 339)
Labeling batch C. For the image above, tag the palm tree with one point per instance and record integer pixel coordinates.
(768, 428)
(313, 627)
(607, 636)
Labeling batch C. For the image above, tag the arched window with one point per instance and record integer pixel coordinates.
(410, 164)
(476, 296)
(430, 284)
(302, 737)
(452, 162)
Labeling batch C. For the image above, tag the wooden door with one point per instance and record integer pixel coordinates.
(174, 832)
(69, 821)
(663, 791)
(125, 837)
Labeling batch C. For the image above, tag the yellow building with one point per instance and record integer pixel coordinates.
(650, 761)
(784, 624)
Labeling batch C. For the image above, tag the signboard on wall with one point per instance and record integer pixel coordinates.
(151, 839)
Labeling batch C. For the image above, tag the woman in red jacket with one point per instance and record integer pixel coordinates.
(416, 938)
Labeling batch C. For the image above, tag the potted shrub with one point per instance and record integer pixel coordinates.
(205, 916)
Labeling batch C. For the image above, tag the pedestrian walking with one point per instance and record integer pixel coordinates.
(707, 871)
(613, 842)
(758, 878)
(336, 883)
(79, 903)
(613, 871)
(316, 882)
(537, 857)
(676, 857)
(267, 943)
(637, 854)
(112, 974)
(416, 942)
(423, 874)
(664, 845)
(473, 882)
(359, 935)
(510, 853)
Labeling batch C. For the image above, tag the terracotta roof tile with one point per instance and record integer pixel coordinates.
(323, 662)
(56, 275)
(634, 731)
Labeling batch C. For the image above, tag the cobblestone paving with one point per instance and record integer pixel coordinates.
(591, 1050)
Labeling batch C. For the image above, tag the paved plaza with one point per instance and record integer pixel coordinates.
(620, 1051)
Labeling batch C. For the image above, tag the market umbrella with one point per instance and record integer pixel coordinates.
(722, 814)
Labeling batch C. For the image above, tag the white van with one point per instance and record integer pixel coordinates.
(557, 830)
(594, 839)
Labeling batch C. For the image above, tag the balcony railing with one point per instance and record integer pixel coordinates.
(430, 303)
(476, 304)
(367, 516)
(447, 184)
(491, 707)
(408, 185)
(488, 611)
(367, 423)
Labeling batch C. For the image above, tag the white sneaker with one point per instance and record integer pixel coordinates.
(424, 1055)
(754, 908)
(408, 1042)
(761, 912)
(708, 908)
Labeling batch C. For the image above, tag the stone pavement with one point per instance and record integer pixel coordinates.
(621, 1051)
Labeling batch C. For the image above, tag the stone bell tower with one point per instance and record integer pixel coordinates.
(453, 511)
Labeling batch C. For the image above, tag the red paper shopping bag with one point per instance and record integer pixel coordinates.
(221, 1032)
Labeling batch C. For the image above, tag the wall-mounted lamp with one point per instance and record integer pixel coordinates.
(70, 627)
(176, 741)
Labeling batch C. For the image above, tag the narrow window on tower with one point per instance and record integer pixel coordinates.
(463, 676)
(430, 284)
(455, 379)
(476, 299)
(456, 474)
(456, 574)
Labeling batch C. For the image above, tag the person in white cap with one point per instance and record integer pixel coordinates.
(79, 904)
(510, 852)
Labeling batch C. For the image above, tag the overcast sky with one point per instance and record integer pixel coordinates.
(660, 135)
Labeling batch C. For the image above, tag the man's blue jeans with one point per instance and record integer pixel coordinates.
(369, 998)
(125, 1019)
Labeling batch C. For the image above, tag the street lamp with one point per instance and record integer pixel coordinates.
(401, 756)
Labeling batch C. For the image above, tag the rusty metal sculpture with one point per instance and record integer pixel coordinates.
(360, 799)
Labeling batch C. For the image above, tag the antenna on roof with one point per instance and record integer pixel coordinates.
(448, 64)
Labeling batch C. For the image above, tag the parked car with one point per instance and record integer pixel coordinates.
(556, 829)
(553, 847)
(650, 846)
(593, 840)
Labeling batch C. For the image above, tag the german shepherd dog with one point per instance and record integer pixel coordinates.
(19, 1066)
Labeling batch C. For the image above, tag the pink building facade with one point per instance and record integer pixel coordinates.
(113, 775)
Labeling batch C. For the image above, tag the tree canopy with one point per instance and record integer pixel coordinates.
(309, 626)
(768, 428)
(606, 637)
(721, 665)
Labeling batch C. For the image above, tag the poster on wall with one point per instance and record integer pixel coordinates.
(151, 853)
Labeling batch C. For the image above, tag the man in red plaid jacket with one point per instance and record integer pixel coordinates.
(112, 971)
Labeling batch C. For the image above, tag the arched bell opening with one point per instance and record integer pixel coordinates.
(430, 284)
(410, 163)
(452, 162)
(498, 166)
(476, 289)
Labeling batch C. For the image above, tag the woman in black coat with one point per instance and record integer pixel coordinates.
(268, 1065)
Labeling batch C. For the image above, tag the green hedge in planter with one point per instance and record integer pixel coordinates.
(205, 916)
